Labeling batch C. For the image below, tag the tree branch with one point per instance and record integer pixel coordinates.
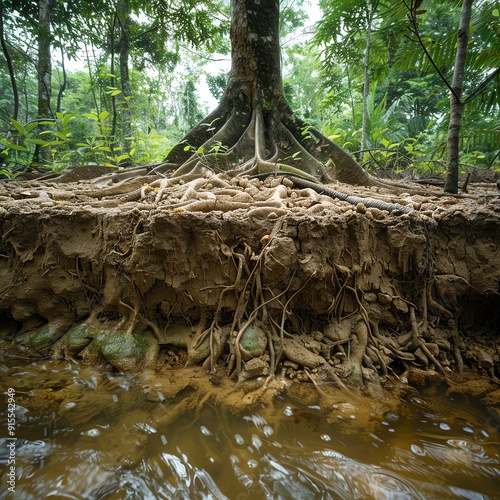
(412, 9)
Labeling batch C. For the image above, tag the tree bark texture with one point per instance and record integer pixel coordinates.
(10, 66)
(123, 17)
(44, 70)
(456, 106)
(255, 50)
(366, 78)
(44, 59)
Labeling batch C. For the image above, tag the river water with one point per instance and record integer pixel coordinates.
(87, 433)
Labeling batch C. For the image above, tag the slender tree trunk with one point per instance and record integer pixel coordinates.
(44, 59)
(351, 97)
(123, 16)
(366, 80)
(62, 86)
(113, 79)
(456, 106)
(44, 70)
(10, 66)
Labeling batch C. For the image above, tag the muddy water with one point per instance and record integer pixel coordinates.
(84, 432)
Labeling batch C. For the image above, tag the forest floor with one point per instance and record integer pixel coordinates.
(248, 286)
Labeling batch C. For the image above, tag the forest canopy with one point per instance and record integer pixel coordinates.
(121, 83)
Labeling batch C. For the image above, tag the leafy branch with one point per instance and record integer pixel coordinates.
(413, 12)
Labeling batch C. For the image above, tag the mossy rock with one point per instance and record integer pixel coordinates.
(129, 351)
(77, 338)
(253, 342)
(92, 354)
(41, 339)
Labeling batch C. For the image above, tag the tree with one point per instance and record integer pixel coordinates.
(10, 66)
(440, 49)
(126, 95)
(44, 71)
(253, 120)
(456, 105)
(403, 74)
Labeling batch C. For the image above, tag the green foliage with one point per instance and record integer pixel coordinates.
(17, 145)
(18, 142)
(217, 84)
(408, 105)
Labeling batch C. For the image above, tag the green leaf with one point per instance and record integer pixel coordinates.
(30, 126)
(17, 147)
(61, 136)
(187, 148)
(115, 92)
(495, 13)
(66, 119)
(38, 142)
(103, 115)
(18, 126)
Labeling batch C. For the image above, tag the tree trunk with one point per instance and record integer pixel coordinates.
(112, 82)
(123, 17)
(10, 66)
(366, 80)
(456, 106)
(44, 58)
(62, 86)
(44, 69)
(255, 51)
(253, 120)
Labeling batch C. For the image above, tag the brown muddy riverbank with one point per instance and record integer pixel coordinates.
(251, 279)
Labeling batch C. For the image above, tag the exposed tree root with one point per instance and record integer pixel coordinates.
(241, 143)
(292, 149)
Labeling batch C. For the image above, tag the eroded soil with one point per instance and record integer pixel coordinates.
(255, 283)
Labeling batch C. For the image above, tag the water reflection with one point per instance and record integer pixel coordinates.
(84, 432)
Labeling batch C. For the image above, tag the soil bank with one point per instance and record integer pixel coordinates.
(250, 282)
